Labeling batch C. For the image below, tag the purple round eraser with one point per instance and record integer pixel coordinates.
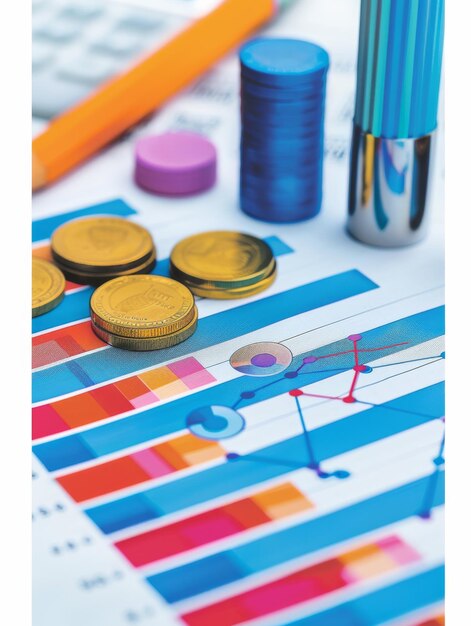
(178, 163)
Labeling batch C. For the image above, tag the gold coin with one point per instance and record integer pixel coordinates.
(48, 286)
(89, 278)
(100, 243)
(221, 260)
(233, 294)
(142, 306)
(152, 343)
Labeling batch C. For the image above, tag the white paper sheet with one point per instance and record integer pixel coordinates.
(80, 577)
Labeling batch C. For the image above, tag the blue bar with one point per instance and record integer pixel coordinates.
(136, 510)
(43, 228)
(74, 307)
(168, 418)
(74, 451)
(342, 436)
(383, 605)
(278, 247)
(212, 329)
(260, 554)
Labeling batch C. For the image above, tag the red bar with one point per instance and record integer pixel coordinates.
(247, 513)
(178, 537)
(101, 479)
(46, 421)
(64, 342)
(69, 345)
(112, 400)
(299, 587)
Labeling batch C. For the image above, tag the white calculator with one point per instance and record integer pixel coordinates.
(79, 44)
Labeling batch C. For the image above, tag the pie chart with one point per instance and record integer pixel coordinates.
(261, 359)
(215, 422)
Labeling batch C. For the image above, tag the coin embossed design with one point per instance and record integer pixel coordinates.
(48, 286)
(101, 243)
(142, 306)
(221, 260)
(149, 343)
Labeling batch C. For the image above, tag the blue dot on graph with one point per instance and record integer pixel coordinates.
(215, 422)
(261, 359)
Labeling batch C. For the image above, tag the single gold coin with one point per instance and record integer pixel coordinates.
(142, 306)
(95, 279)
(150, 343)
(48, 286)
(233, 294)
(221, 260)
(101, 243)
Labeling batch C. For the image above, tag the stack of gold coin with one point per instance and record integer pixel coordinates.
(96, 249)
(48, 286)
(223, 264)
(143, 312)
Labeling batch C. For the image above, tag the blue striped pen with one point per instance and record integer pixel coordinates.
(399, 65)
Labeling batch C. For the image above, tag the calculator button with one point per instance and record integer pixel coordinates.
(42, 54)
(120, 41)
(59, 30)
(39, 5)
(141, 21)
(82, 10)
(89, 68)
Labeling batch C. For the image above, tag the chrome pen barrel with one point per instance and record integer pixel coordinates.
(389, 192)
(396, 111)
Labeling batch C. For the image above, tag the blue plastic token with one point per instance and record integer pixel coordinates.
(272, 60)
(283, 83)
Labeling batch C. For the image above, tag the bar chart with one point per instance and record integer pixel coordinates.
(312, 493)
(366, 562)
(132, 392)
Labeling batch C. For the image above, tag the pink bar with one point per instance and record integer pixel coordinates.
(198, 379)
(185, 367)
(153, 465)
(401, 552)
(144, 400)
(213, 527)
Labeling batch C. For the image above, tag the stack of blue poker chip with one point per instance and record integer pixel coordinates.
(283, 84)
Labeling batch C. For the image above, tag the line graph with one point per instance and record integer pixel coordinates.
(289, 448)
(183, 581)
(311, 365)
(439, 461)
(230, 423)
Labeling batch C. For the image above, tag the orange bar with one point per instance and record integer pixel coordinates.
(122, 102)
(103, 479)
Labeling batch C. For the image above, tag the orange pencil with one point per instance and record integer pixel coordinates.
(89, 126)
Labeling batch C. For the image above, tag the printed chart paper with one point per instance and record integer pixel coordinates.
(284, 465)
